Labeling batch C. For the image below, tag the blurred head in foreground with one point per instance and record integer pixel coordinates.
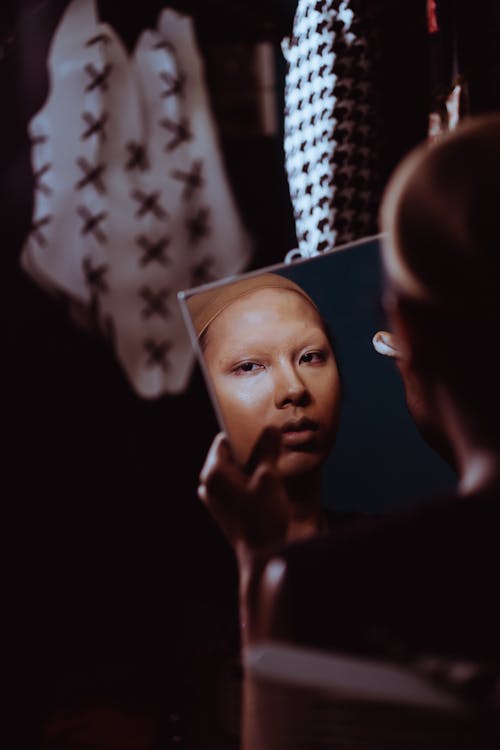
(442, 264)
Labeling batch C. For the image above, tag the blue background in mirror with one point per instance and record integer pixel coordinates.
(379, 461)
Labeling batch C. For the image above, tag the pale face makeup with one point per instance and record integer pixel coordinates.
(271, 364)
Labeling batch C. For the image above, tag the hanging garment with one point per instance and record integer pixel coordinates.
(132, 203)
(470, 55)
(332, 126)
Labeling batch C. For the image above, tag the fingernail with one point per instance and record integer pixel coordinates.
(382, 343)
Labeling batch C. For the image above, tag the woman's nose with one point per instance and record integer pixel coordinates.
(289, 388)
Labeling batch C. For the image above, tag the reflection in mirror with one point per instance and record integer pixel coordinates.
(292, 347)
(271, 363)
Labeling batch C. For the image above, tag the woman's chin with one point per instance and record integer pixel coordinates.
(296, 463)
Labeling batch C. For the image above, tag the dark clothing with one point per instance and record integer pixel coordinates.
(427, 577)
(419, 588)
(406, 585)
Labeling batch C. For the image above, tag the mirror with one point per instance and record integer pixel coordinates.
(317, 316)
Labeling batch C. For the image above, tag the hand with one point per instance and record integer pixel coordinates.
(250, 505)
(253, 511)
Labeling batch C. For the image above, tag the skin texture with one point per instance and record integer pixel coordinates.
(272, 365)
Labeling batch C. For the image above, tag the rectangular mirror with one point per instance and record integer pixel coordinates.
(291, 345)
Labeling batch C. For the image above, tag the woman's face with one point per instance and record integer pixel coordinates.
(271, 364)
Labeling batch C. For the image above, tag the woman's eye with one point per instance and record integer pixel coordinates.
(246, 367)
(312, 357)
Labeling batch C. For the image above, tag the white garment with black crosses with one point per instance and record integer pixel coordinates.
(132, 203)
(331, 129)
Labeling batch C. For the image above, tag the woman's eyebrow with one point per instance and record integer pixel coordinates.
(247, 345)
(318, 337)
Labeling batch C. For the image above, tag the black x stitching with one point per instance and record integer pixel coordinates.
(155, 302)
(180, 130)
(197, 226)
(99, 38)
(36, 226)
(95, 276)
(36, 139)
(39, 185)
(95, 126)
(99, 78)
(157, 352)
(174, 85)
(192, 179)
(148, 203)
(202, 272)
(91, 176)
(163, 44)
(91, 223)
(138, 158)
(153, 250)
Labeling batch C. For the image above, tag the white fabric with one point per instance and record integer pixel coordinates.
(117, 230)
(331, 138)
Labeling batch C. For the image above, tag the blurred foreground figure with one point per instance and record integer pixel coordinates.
(421, 585)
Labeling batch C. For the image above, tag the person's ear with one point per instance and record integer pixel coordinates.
(414, 334)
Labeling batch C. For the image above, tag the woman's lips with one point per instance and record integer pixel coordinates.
(299, 432)
(300, 437)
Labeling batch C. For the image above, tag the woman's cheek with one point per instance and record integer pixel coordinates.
(240, 407)
(250, 391)
(246, 397)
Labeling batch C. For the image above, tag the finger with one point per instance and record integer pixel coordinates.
(268, 514)
(202, 493)
(222, 482)
(265, 477)
(219, 451)
(386, 343)
(224, 487)
(266, 449)
(267, 487)
(219, 496)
